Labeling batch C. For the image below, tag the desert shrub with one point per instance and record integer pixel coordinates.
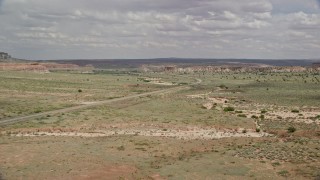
(121, 148)
(242, 115)
(291, 129)
(263, 111)
(261, 116)
(244, 131)
(258, 130)
(226, 109)
(254, 117)
(276, 164)
(295, 111)
(37, 111)
(239, 111)
(79, 90)
(283, 173)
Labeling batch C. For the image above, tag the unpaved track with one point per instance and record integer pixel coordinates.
(86, 106)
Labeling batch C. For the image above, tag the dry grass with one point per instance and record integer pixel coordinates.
(134, 152)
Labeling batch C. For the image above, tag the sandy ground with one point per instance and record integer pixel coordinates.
(170, 133)
(217, 100)
(306, 114)
(158, 81)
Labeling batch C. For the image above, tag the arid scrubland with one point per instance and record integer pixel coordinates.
(208, 125)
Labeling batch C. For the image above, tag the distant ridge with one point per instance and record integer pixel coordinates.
(134, 63)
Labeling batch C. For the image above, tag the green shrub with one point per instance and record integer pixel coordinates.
(283, 173)
(258, 130)
(276, 164)
(37, 111)
(121, 148)
(263, 111)
(291, 129)
(226, 109)
(295, 111)
(242, 115)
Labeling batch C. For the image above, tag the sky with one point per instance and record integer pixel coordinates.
(97, 29)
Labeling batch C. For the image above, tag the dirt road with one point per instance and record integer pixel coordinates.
(85, 106)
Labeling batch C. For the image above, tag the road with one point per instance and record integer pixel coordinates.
(85, 106)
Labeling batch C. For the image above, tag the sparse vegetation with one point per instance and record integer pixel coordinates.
(276, 164)
(121, 148)
(227, 109)
(263, 111)
(283, 173)
(242, 115)
(291, 129)
(294, 143)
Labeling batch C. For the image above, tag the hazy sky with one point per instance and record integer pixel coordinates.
(58, 29)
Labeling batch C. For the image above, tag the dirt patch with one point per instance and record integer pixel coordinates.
(108, 172)
(214, 100)
(196, 133)
(207, 105)
(157, 81)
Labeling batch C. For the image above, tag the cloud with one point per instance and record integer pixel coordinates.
(166, 28)
(318, 1)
